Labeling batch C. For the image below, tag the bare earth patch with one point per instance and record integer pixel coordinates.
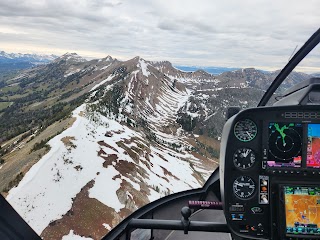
(87, 215)
(67, 141)
(109, 159)
(102, 143)
(167, 172)
(135, 199)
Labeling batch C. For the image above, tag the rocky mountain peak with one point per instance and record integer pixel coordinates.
(71, 57)
(107, 59)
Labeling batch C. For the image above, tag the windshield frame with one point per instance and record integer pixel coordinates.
(294, 61)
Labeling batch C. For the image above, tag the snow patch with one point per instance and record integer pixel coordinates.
(105, 188)
(72, 72)
(72, 236)
(107, 226)
(102, 82)
(105, 67)
(144, 67)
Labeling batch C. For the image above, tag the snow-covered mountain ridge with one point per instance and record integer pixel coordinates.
(123, 170)
(123, 150)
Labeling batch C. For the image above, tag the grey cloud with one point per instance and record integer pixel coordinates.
(102, 3)
(57, 10)
(168, 25)
(203, 32)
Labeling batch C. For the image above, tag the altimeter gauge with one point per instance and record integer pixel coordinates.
(245, 130)
(244, 158)
(244, 187)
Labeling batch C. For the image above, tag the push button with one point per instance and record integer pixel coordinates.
(253, 228)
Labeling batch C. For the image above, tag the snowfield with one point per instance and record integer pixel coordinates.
(45, 193)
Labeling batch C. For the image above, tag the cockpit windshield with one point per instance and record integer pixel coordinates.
(106, 106)
(306, 69)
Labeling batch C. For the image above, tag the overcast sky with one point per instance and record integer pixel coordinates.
(230, 33)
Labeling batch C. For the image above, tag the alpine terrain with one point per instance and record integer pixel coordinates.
(85, 143)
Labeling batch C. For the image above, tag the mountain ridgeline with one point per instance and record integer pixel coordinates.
(85, 143)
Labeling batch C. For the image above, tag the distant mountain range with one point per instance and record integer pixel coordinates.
(26, 57)
(17, 61)
(212, 70)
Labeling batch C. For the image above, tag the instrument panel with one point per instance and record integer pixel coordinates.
(268, 157)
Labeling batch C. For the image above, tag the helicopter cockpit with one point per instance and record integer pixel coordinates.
(270, 173)
(267, 186)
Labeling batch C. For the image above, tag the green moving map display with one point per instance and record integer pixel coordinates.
(284, 145)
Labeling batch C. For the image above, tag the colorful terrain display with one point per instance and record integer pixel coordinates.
(313, 150)
(302, 209)
(284, 145)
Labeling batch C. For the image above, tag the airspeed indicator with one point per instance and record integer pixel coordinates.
(245, 130)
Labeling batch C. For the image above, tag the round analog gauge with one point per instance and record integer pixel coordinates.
(243, 187)
(245, 130)
(244, 158)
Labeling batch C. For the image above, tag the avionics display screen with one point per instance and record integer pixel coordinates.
(313, 148)
(285, 141)
(302, 210)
